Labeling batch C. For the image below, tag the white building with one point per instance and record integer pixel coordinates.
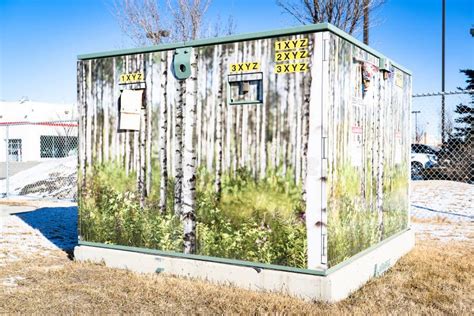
(36, 131)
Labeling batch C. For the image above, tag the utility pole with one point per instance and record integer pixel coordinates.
(366, 21)
(416, 124)
(443, 106)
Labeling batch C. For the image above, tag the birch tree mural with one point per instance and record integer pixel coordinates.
(218, 162)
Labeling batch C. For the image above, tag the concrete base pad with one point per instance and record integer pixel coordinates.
(335, 285)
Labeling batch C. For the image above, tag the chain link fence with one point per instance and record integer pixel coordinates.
(442, 157)
(39, 160)
(443, 150)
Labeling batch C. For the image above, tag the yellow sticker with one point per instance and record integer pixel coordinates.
(291, 55)
(291, 44)
(132, 77)
(286, 68)
(399, 79)
(243, 67)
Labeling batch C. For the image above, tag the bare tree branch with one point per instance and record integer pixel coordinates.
(187, 18)
(141, 21)
(149, 22)
(345, 14)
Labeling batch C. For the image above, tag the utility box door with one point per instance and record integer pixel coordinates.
(131, 102)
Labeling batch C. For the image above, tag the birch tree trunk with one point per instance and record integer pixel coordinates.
(220, 100)
(106, 129)
(127, 133)
(141, 157)
(181, 92)
(83, 123)
(113, 114)
(189, 172)
(263, 135)
(149, 118)
(299, 117)
(306, 109)
(140, 152)
(171, 108)
(101, 116)
(237, 143)
(89, 109)
(380, 157)
(229, 124)
(94, 129)
(163, 134)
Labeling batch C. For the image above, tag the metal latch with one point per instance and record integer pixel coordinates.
(181, 63)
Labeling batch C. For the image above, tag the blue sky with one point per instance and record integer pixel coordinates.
(40, 39)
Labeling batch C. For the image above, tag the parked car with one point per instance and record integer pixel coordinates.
(423, 158)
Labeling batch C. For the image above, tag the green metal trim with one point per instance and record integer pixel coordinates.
(384, 64)
(365, 47)
(243, 263)
(254, 265)
(243, 37)
(364, 252)
(181, 63)
(244, 102)
(211, 41)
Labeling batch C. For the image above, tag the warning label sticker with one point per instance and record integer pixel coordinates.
(243, 67)
(399, 79)
(291, 55)
(287, 68)
(131, 77)
(291, 44)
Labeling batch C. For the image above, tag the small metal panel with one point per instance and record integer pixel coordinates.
(246, 88)
(131, 103)
(181, 63)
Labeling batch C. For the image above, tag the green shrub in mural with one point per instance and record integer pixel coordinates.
(254, 220)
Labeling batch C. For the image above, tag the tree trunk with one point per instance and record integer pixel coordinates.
(220, 100)
(89, 109)
(141, 146)
(181, 93)
(263, 124)
(366, 21)
(149, 117)
(306, 109)
(380, 158)
(82, 123)
(163, 134)
(189, 172)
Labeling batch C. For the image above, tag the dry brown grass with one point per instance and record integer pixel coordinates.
(434, 220)
(435, 278)
(35, 203)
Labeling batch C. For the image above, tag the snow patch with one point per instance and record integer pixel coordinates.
(56, 178)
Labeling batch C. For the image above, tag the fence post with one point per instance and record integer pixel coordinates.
(7, 158)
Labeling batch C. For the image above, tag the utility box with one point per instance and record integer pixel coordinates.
(275, 160)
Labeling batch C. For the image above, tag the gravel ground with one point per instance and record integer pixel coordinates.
(451, 199)
(443, 210)
(18, 240)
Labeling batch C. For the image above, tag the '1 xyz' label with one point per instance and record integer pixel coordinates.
(291, 44)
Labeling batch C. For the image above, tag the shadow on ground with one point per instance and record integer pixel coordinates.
(57, 224)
